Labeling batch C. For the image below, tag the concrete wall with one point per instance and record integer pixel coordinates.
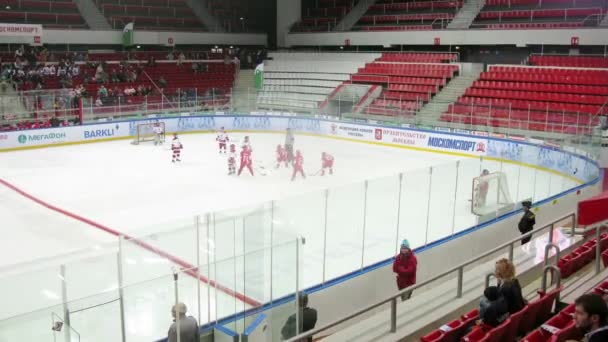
(520, 38)
(288, 12)
(140, 38)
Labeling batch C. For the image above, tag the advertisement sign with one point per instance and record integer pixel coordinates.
(20, 30)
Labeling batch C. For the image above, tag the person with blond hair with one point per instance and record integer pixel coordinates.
(508, 285)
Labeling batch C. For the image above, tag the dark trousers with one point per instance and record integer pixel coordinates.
(406, 296)
(289, 150)
(526, 239)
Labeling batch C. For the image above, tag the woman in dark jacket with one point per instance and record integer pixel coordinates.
(508, 285)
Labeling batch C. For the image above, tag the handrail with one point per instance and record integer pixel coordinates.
(557, 251)
(393, 298)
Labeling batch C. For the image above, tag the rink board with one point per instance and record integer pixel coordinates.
(567, 162)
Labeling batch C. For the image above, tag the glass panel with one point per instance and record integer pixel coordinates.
(345, 215)
(33, 326)
(415, 192)
(303, 215)
(541, 189)
(286, 269)
(527, 183)
(443, 190)
(382, 210)
(467, 170)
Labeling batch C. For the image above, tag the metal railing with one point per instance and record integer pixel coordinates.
(392, 299)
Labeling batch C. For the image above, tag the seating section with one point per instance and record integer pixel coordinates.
(300, 86)
(535, 314)
(408, 79)
(150, 14)
(403, 15)
(230, 12)
(530, 98)
(570, 61)
(322, 15)
(577, 259)
(50, 13)
(541, 14)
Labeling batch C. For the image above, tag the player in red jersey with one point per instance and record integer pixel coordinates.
(281, 156)
(232, 160)
(222, 139)
(298, 166)
(176, 147)
(246, 160)
(327, 162)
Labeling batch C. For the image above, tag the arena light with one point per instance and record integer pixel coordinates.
(139, 46)
(8, 8)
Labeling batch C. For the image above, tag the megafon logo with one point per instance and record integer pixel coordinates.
(22, 139)
(52, 137)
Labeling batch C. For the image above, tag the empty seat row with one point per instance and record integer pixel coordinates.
(295, 89)
(405, 17)
(545, 87)
(306, 75)
(415, 57)
(155, 20)
(538, 3)
(395, 28)
(541, 13)
(159, 3)
(292, 96)
(303, 82)
(545, 70)
(109, 9)
(488, 112)
(425, 89)
(532, 105)
(405, 96)
(570, 61)
(521, 125)
(577, 259)
(41, 6)
(415, 5)
(548, 77)
(41, 18)
(327, 11)
(536, 96)
(541, 25)
(286, 103)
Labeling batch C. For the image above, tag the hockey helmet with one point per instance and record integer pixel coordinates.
(246, 138)
(279, 147)
(232, 148)
(485, 172)
(298, 152)
(174, 135)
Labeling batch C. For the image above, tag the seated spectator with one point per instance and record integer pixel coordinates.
(170, 56)
(151, 61)
(508, 286)
(102, 92)
(188, 326)
(308, 316)
(195, 68)
(162, 83)
(591, 316)
(492, 308)
(129, 91)
(98, 102)
(75, 70)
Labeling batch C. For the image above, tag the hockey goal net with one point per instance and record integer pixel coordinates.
(145, 132)
(490, 193)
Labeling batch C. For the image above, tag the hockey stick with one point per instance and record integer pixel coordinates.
(316, 173)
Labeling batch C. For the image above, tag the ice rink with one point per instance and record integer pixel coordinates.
(136, 190)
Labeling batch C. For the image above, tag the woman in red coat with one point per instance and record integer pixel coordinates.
(405, 266)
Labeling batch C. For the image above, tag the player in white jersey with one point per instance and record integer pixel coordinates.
(158, 134)
(176, 147)
(222, 138)
(246, 142)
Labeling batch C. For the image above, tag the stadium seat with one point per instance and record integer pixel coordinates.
(477, 335)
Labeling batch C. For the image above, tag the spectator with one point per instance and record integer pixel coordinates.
(102, 92)
(130, 91)
(75, 70)
(194, 68)
(98, 102)
(19, 52)
(527, 222)
(493, 308)
(181, 58)
(162, 83)
(405, 266)
(508, 286)
(170, 56)
(188, 327)
(591, 316)
(151, 61)
(307, 315)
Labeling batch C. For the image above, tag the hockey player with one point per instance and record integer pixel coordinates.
(246, 160)
(158, 134)
(482, 191)
(232, 160)
(289, 141)
(327, 162)
(176, 147)
(281, 156)
(246, 142)
(298, 166)
(222, 139)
